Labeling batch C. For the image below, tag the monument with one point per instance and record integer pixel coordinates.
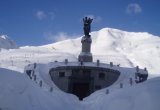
(83, 77)
(86, 55)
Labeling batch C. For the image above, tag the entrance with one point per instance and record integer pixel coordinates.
(81, 90)
(80, 83)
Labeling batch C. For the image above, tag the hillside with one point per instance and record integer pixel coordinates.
(128, 49)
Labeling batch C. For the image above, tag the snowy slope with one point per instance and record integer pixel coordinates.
(17, 92)
(6, 42)
(144, 96)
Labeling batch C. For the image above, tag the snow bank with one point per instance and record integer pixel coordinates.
(144, 96)
(18, 92)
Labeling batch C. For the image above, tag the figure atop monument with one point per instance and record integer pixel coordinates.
(86, 55)
(87, 25)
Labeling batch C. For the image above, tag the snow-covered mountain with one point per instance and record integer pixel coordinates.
(7, 43)
(128, 49)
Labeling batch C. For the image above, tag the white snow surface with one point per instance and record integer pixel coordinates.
(7, 43)
(144, 96)
(18, 92)
(129, 49)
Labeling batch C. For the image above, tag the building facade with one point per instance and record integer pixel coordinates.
(83, 80)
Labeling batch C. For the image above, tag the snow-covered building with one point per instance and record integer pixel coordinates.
(82, 79)
(85, 76)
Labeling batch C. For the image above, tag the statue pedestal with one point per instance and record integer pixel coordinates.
(85, 57)
(85, 54)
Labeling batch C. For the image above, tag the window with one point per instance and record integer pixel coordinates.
(101, 76)
(61, 74)
(97, 87)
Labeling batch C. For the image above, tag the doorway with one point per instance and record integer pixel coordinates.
(80, 83)
(81, 90)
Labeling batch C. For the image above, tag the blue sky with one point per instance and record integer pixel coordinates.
(39, 22)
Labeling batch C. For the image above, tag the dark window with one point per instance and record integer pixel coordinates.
(61, 74)
(101, 76)
(97, 87)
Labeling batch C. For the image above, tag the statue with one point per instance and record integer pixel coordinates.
(87, 26)
(86, 55)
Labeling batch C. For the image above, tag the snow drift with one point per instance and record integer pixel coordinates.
(144, 96)
(17, 92)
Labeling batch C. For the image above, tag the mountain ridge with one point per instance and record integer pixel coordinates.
(7, 43)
